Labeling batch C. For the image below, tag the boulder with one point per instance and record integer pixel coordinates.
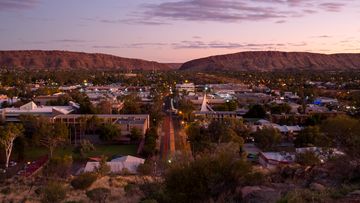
(261, 195)
(354, 193)
(317, 187)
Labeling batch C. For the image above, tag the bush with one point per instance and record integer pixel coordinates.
(135, 134)
(84, 147)
(307, 158)
(153, 191)
(84, 181)
(103, 168)
(98, 194)
(54, 192)
(6, 190)
(59, 166)
(305, 195)
(131, 189)
(108, 132)
(145, 169)
(149, 201)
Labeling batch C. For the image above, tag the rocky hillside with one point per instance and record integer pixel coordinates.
(272, 60)
(67, 60)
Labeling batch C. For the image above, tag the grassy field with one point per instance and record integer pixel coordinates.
(107, 150)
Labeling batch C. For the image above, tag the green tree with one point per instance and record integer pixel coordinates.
(199, 141)
(30, 124)
(131, 104)
(345, 133)
(186, 107)
(108, 132)
(104, 107)
(227, 106)
(267, 138)
(222, 131)
(103, 168)
(93, 124)
(311, 136)
(208, 178)
(7, 136)
(135, 134)
(308, 158)
(256, 111)
(54, 192)
(52, 135)
(149, 148)
(280, 108)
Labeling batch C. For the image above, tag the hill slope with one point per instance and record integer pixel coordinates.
(68, 60)
(272, 60)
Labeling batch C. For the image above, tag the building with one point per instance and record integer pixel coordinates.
(253, 98)
(218, 115)
(323, 154)
(125, 164)
(326, 101)
(13, 114)
(230, 87)
(207, 112)
(76, 123)
(283, 129)
(45, 99)
(6, 99)
(271, 160)
(187, 87)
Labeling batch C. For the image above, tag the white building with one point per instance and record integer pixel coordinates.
(284, 129)
(5, 98)
(118, 165)
(187, 87)
(13, 114)
(271, 160)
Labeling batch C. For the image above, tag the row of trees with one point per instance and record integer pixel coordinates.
(341, 131)
(212, 176)
(217, 132)
(45, 133)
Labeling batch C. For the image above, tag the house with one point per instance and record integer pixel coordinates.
(229, 87)
(126, 122)
(253, 98)
(5, 98)
(323, 154)
(187, 87)
(283, 129)
(311, 108)
(13, 114)
(118, 165)
(271, 160)
(45, 99)
(325, 101)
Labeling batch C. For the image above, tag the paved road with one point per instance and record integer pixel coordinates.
(173, 137)
(167, 138)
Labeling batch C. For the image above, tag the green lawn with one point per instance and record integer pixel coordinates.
(107, 150)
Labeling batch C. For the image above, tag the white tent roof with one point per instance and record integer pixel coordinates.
(130, 163)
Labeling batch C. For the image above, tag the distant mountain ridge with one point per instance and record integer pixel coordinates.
(242, 61)
(274, 60)
(70, 60)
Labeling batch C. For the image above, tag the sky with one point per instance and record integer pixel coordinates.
(180, 30)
